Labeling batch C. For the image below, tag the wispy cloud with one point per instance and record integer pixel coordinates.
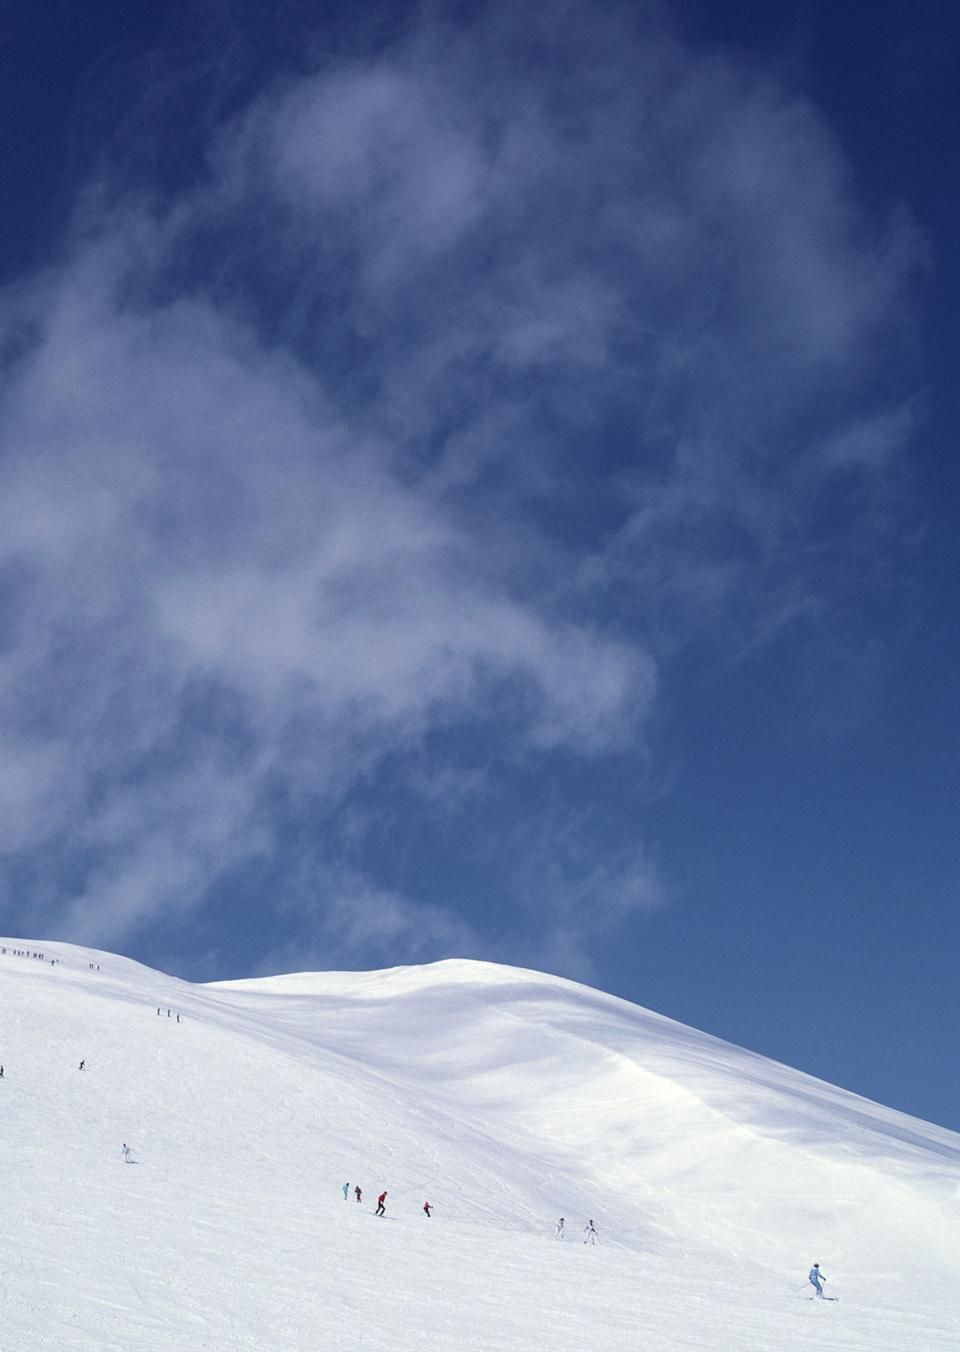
(483, 369)
(365, 924)
(577, 892)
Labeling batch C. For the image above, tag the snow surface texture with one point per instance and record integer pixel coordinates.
(503, 1097)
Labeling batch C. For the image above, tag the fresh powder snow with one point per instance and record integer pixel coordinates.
(505, 1099)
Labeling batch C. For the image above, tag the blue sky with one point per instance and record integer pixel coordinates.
(479, 484)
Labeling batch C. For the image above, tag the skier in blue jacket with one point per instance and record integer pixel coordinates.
(816, 1277)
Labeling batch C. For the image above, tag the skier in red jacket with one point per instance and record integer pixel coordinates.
(381, 1209)
(426, 1209)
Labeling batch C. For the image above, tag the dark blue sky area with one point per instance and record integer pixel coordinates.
(791, 804)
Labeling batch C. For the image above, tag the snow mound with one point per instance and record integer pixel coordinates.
(504, 1097)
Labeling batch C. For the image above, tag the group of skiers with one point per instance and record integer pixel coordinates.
(590, 1235)
(381, 1209)
(589, 1232)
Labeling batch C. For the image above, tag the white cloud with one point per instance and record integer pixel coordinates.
(578, 891)
(188, 514)
(474, 364)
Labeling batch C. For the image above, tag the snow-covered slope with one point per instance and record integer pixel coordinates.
(506, 1099)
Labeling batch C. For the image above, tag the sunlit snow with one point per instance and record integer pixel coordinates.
(503, 1097)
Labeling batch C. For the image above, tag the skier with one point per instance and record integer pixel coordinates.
(426, 1209)
(82, 1064)
(357, 1193)
(1, 1072)
(816, 1277)
(346, 1190)
(558, 1233)
(590, 1233)
(381, 1209)
(125, 1152)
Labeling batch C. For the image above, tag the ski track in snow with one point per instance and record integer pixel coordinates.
(505, 1098)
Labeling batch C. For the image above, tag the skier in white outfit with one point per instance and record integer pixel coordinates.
(125, 1152)
(590, 1235)
(558, 1233)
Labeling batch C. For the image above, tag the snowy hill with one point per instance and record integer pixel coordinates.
(503, 1097)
